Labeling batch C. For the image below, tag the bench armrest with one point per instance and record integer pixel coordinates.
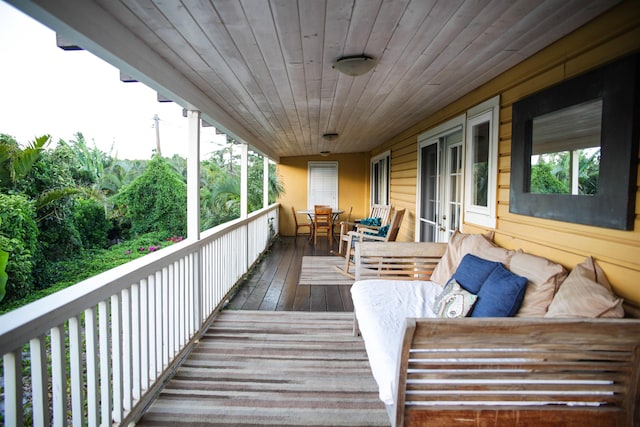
(573, 371)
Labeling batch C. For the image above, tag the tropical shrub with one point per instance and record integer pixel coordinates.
(18, 237)
(156, 200)
(91, 223)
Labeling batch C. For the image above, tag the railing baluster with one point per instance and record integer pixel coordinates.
(116, 357)
(12, 365)
(166, 295)
(39, 381)
(159, 321)
(127, 399)
(151, 322)
(105, 362)
(58, 376)
(91, 344)
(144, 334)
(135, 341)
(76, 371)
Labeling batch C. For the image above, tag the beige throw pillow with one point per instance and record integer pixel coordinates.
(461, 244)
(586, 293)
(544, 278)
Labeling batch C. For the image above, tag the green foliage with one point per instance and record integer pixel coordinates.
(544, 181)
(18, 237)
(552, 173)
(156, 200)
(91, 223)
(92, 262)
(52, 179)
(4, 277)
(15, 163)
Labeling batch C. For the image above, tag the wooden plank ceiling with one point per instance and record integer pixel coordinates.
(267, 65)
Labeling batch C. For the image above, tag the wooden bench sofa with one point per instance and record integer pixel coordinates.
(504, 371)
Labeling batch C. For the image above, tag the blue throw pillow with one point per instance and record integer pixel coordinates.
(382, 232)
(500, 295)
(376, 221)
(473, 271)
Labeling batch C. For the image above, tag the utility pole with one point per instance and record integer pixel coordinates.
(156, 119)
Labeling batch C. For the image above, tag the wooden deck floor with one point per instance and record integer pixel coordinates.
(273, 285)
(272, 368)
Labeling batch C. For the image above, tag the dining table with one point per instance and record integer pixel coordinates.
(311, 213)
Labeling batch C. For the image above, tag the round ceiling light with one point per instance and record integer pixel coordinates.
(330, 136)
(355, 65)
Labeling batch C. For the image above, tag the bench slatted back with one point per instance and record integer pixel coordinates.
(524, 372)
(397, 260)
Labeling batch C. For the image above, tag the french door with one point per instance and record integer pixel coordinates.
(440, 185)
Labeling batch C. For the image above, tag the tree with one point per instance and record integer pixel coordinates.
(156, 200)
(15, 163)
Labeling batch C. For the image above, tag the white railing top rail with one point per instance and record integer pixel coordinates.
(38, 317)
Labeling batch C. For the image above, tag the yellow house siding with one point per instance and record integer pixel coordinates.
(353, 185)
(612, 35)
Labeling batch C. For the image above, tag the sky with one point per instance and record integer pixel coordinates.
(46, 90)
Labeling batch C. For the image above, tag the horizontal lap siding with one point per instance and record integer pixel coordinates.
(612, 35)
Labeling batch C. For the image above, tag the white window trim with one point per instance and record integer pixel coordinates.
(429, 137)
(386, 155)
(310, 165)
(474, 214)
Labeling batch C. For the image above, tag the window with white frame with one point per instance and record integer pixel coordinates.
(481, 166)
(323, 184)
(380, 172)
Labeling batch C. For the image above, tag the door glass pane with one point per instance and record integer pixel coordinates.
(454, 201)
(429, 187)
(480, 163)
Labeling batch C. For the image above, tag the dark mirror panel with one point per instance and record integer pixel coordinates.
(574, 148)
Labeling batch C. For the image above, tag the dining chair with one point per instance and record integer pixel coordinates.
(303, 225)
(322, 221)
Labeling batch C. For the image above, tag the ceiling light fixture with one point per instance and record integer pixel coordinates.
(330, 136)
(355, 65)
(325, 153)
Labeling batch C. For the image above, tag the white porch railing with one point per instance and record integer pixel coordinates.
(99, 350)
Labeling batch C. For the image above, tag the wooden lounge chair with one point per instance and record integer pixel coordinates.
(377, 211)
(369, 234)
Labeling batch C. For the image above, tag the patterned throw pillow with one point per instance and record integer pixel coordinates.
(454, 301)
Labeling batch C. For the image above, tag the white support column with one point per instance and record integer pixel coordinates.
(265, 191)
(193, 176)
(244, 180)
